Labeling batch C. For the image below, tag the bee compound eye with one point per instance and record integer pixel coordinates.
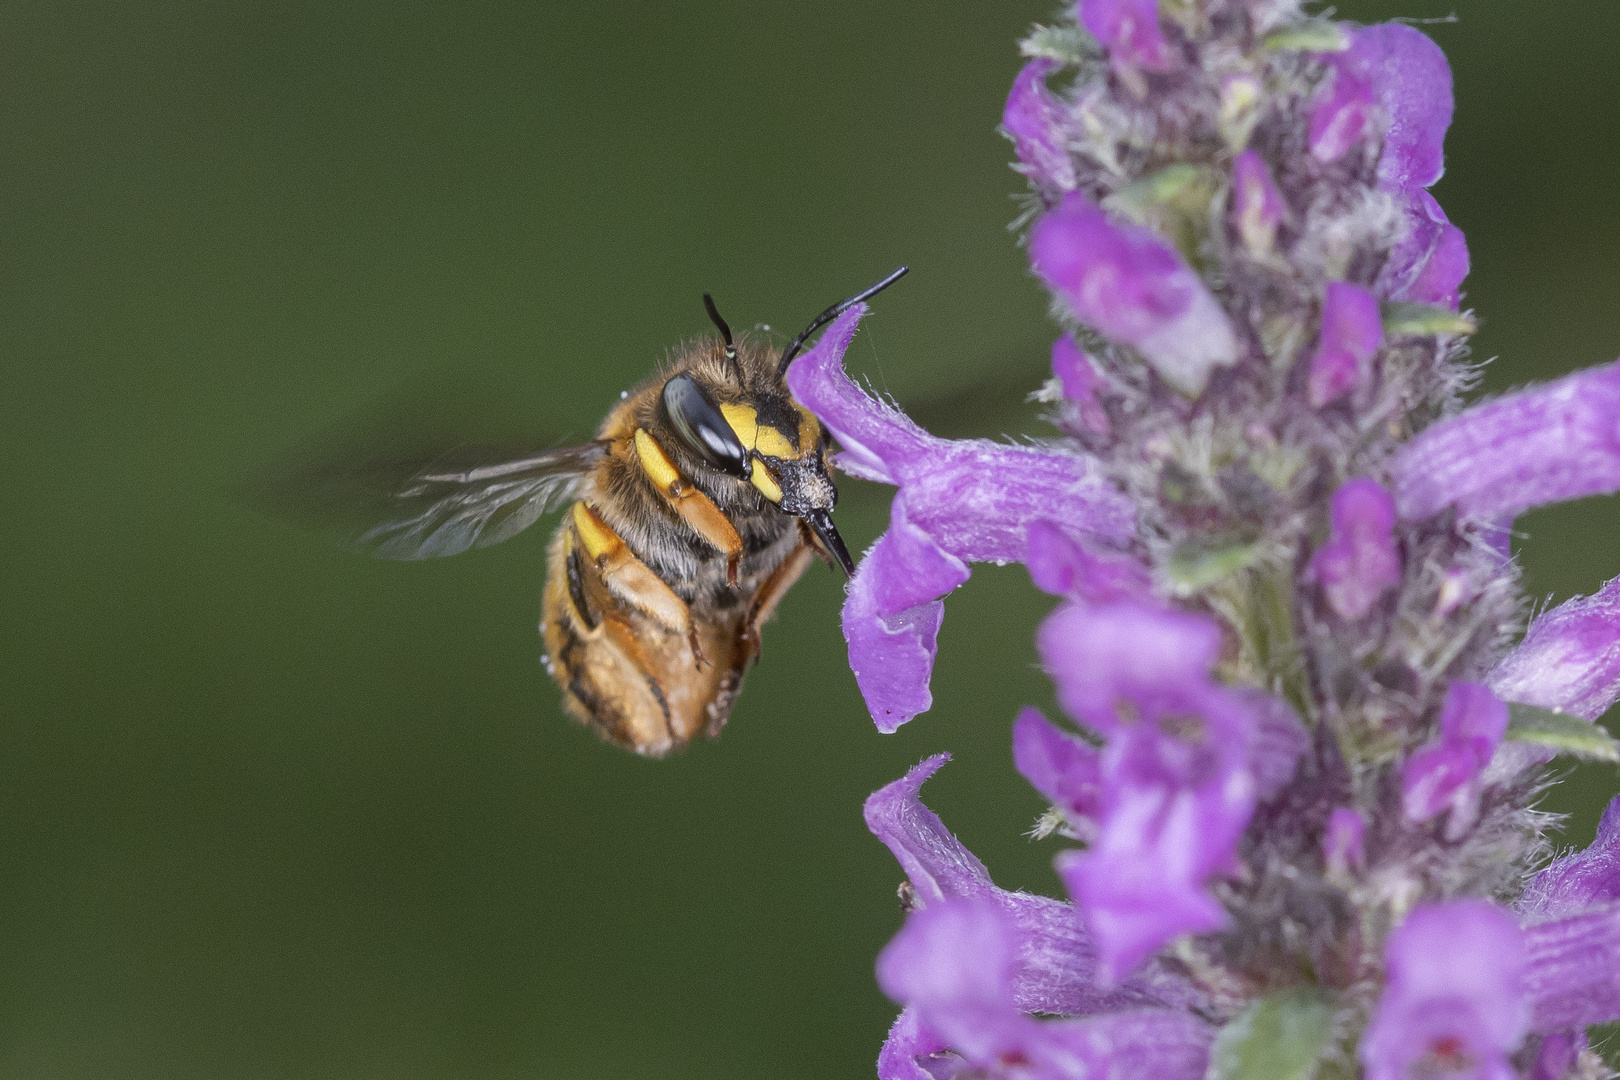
(702, 427)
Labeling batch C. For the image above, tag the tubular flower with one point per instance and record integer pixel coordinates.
(1454, 1001)
(1293, 785)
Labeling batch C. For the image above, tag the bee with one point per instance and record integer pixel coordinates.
(704, 496)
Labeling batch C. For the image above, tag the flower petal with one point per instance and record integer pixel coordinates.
(1352, 333)
(1341, 841)
(1127, 283)
(1129, 30)
(1430, 262)
(1569, 659)
(1579, 880)
(1063, 767)
(1341, 114)
(1359, 563)
(1412, 81)
(1495, 461)
(1454, 992)
(1573, 977)
(907, 1041)
(1034, 122)
(874, 437)
(1060, 566)
(1080, 382)
(1257, 205)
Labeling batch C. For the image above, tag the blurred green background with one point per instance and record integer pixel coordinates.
(270, 810)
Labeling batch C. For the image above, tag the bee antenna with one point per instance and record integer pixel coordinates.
(832, 313)
(725, 332)
(714, 317)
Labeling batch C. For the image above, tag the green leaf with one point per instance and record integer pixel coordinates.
(1196, 566)
(1314, 35)
(1421, 320)
(1277, 1038)
(1563, 732)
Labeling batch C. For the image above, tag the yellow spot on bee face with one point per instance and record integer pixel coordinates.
(765, 482)
(594, 533)
(743, 420)
(761, 438)
(656, 462)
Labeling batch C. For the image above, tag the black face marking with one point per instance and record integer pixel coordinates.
(576, 589)
(702, 427)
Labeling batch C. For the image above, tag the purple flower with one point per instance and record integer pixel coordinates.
(1341, 841)
(959, 502)
(1581, 880)
(1129, 30)
(1257, 205)
(1343, 112)
(1443, 775)
(1495, 461)
(1128, 284)
(967, 976)
(1175, 789)
(1080, 381)
(1352, 333)
(1359, 563)
(954, 966)
(1556, 1056)
(1569, 659)
(1573, 976)
(1429, 264)
(1454, 1001)
(1412, 82)
(1034, 122)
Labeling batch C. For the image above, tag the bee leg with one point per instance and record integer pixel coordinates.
(632, 581)
(693, 507)
(770, 594)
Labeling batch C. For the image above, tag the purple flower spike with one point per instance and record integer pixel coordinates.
(1257, 205)
(1080, 382)
(1352, 332)
(1454, 1001)
(1129, 30)
(1581, 880)
(1443, 774)
(1035, 124)
(1429, 264)
(1341, 842)
(1574, 971)
(1495, 461)
(1569, 659)
(1359, 562)
(1127, 283)
(1060, 566)
(1343, 113)
(959, 502)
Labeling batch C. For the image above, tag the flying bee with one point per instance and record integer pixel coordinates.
(704, 496)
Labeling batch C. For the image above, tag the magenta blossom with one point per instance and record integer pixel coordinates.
(1295, 809)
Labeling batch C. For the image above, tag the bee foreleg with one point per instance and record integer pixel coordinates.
(693, 507)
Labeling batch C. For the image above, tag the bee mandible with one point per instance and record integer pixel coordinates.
(703, 498)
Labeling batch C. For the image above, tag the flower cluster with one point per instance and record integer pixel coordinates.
(1305, 745)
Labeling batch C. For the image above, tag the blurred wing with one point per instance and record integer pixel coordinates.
(444, 511)
(421, 505)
